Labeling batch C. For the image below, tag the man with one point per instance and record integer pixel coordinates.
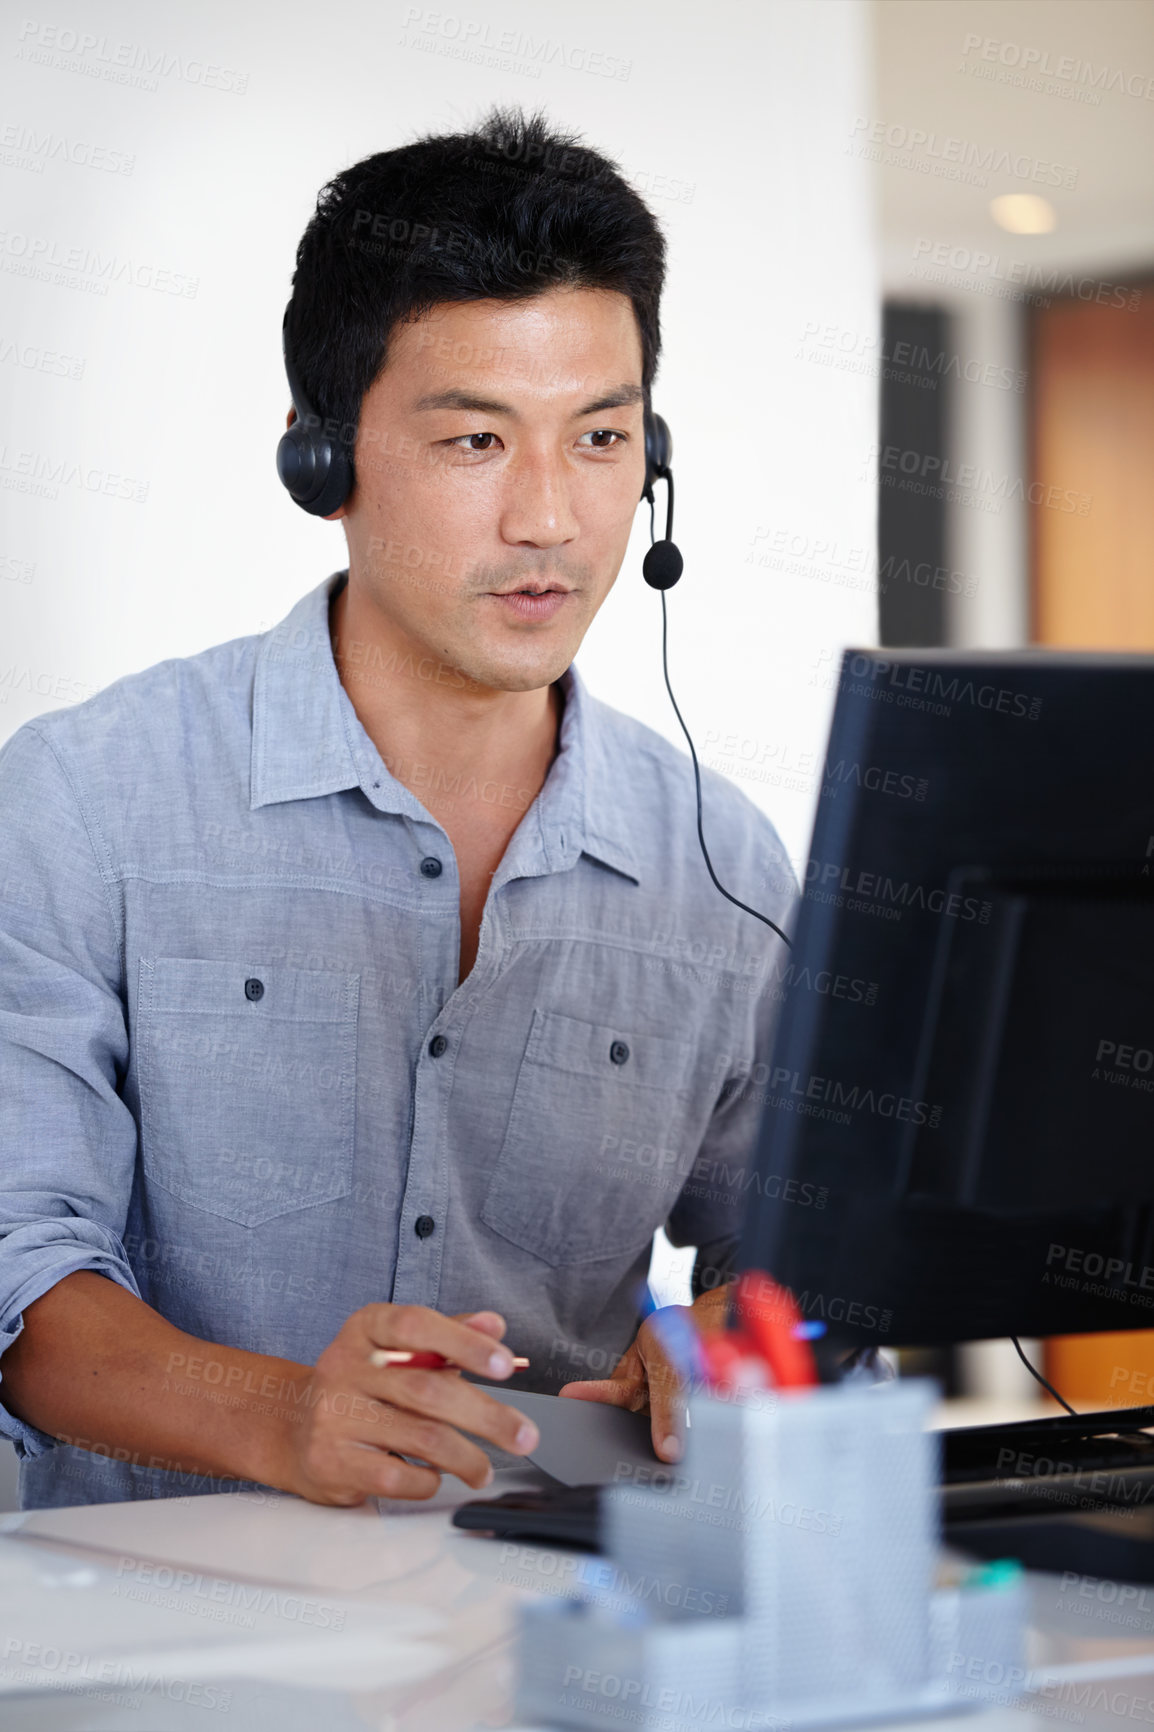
(361, 983)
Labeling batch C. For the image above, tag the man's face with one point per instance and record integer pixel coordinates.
(501, 449)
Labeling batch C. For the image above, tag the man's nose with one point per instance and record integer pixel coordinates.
(538, 511)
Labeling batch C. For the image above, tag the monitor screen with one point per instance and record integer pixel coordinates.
(957, 1135)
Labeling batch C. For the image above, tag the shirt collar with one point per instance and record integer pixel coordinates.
(307, 740)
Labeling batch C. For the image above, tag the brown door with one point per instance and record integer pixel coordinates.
(1091, 470)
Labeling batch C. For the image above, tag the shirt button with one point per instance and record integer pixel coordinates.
(437, 1045)
(424, 1225)
(619, 1052)
(253, 989)
(431, 866)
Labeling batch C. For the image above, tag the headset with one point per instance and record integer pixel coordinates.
(317, 469)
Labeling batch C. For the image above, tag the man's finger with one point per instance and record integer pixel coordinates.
(488, 1322)
(353, 1471)
(422, 1330)
(431, 1441)
(666, 1407)
(465, 1405)
(382, 1475)
(614, 1391)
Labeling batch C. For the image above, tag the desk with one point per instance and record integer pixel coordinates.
(251, 1613)
(291, 1603)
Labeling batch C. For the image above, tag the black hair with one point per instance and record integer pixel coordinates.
(503, 213)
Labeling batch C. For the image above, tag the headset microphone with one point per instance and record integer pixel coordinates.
(661, 569)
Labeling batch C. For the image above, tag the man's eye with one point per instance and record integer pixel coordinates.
(601, 437)
(470, 437)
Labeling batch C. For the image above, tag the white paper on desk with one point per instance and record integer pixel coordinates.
(73, 1623)
(583, 1442)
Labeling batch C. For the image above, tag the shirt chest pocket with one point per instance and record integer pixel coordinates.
(591, 1162)
(247, 1084)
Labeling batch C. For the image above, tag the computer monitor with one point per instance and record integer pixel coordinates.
(957, 1139)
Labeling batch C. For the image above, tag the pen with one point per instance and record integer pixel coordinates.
(768, 1314)
(771, 1339)
(423, 1361)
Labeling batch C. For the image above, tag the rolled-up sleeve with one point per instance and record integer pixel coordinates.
(69, 1140)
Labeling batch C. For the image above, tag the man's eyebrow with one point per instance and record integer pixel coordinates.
(618, 398)
(464, 400)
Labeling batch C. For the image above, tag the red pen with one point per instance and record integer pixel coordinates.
(381, 1356)
(769, 1335)
(769, 1314)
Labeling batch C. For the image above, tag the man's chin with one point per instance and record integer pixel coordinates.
(521, 675)
(509, 682)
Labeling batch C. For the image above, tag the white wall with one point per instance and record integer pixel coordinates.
(735, 119)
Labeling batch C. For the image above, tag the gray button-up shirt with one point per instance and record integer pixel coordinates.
(239, 1075)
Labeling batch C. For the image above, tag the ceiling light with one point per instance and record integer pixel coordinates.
(1024, 213)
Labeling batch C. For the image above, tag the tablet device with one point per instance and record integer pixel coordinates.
(583, 1442)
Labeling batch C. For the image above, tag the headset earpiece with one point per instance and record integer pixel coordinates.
(316, 469)
(658, 452)
(663, 564)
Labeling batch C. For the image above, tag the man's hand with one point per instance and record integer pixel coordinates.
(354, 1422)
(646, 1382)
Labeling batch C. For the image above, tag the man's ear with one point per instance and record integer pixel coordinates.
(290, 418)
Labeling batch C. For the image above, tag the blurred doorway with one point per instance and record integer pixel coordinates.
(1091, 434)
(1091, 418)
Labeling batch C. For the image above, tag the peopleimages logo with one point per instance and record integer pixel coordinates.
(1066, 68)
(851, 1097)
(953, 158)
(22, 146)
(48, 259)
(923, 575)
(1116, 1271)
(131, 63)
(850, 987)
(929, 474)
(907, 362)
(475, 40)
(1038, 279)
(827, 880)
(873, 777)
(920, 686)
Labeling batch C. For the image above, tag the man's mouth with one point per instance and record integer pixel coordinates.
(535, 589)
(533, 601)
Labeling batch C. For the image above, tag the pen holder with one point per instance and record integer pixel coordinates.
(581, 1665)
(785, 1570)
(812, 1516)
